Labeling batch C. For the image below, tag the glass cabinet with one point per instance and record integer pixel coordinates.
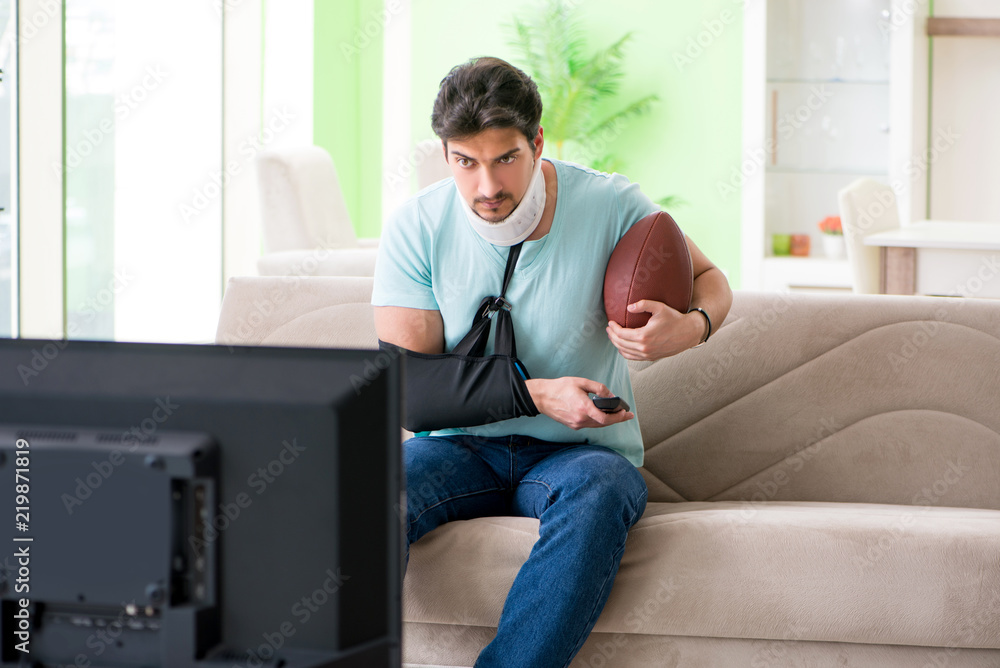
(818, 74)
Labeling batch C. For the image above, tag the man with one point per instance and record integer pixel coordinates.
(562, 460)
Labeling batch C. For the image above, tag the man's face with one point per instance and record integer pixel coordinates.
(492, 169)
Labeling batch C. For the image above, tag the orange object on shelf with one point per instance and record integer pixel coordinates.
(800, 245)
(831, 225)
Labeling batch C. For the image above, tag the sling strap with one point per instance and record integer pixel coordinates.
(465, 387)
(474, 343)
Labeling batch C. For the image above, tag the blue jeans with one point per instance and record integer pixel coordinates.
(586, 498)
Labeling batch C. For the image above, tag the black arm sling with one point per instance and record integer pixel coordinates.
(464, 388)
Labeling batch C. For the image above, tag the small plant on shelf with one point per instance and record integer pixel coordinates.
(833, 237)
(831, 225)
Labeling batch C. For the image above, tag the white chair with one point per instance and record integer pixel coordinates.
(866, 207)
(307, 229)
(432, 167)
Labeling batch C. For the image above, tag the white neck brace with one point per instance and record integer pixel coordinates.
(521, 222)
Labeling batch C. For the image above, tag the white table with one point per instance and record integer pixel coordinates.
(939, 257)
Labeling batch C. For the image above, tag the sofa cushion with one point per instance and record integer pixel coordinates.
(460, 645)
(796, 397)
(861, 573)
(858, 398)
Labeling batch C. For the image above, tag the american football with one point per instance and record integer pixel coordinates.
(651, 261)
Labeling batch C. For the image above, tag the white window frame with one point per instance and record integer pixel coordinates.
(242, 64)
(40, 253)
(38, 204)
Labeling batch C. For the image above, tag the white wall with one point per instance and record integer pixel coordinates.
(965, 96)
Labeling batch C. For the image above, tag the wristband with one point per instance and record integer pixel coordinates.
(709, 320)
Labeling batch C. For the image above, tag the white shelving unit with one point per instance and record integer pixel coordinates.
(816, 117)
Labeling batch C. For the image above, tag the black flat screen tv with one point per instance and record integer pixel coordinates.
(190, 505)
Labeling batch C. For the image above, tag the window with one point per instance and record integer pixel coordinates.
(8, 171)
(143, 169)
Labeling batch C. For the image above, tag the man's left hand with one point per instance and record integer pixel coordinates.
(667, 333)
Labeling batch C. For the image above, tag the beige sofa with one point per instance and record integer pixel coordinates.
(824, 482)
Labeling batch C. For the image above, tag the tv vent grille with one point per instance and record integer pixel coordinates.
(244, 658)
(126, 438)
(29, 434)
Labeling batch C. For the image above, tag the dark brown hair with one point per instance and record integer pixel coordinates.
(486, 93)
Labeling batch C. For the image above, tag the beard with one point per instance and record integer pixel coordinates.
(499, 214)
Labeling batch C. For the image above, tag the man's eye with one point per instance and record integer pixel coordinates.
(507, 159)
(464, 162)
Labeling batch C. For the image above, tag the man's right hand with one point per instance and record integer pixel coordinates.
(567, 400)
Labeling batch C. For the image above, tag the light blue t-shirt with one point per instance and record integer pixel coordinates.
(431, 258)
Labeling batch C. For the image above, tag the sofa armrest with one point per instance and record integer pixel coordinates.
(313, 311)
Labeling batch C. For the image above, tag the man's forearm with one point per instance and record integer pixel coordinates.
(441, 391)
(712, 293)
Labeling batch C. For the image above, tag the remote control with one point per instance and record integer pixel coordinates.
(611, 404)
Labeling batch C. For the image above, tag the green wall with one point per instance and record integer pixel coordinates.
(685, 146)
(691, 139)
(347, 107)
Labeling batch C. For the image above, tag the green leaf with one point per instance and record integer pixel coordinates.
(576, 83)
(615, 121)
(671, 202)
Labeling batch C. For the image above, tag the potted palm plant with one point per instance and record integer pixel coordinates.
(575, 85)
